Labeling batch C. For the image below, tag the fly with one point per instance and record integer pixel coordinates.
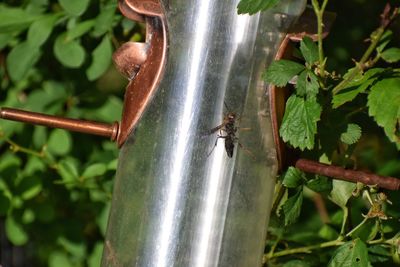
(229, 129)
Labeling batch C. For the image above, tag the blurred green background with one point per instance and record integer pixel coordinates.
(55, 58)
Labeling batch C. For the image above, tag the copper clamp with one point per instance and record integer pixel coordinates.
(142, 63)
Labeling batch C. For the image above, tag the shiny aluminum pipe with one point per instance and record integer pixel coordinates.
(178, 201)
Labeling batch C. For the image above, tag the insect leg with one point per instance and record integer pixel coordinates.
(216, 141)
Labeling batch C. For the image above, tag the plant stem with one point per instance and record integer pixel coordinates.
(344, 222)
(319, 12)
(387, 17)
(17, 148)
(357, 227)
(306, 249)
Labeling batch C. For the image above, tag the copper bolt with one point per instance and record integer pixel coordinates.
(82, 126)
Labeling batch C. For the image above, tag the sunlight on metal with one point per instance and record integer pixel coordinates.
(178, 168)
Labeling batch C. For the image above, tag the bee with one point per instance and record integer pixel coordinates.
(227, 131)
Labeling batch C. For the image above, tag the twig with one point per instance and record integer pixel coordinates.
(310, 166)
(387, 18)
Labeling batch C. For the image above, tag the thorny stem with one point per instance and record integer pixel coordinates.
(319, 12)
(387, 18)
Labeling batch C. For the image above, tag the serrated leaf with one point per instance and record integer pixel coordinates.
(280, 72)
(101, 59)
(79, 29)
(359, 85)
(384, 107)
(70, 53)
(96, 169)
(341, 192)
(15, 19)
(254, 6)
(320, 184)
(15, 233)
(21, 59)
(309, 50)
(299, 124)
(391, 55)
(104, 21)
(352, 134)
(350, 254)
(40, 30)
(293, 177)
(292, 207)
(74, 7)
(307, 84)
(60, 142)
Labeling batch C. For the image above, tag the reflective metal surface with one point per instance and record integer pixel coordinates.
(176, 201)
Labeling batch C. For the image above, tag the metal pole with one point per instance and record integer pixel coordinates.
(178, 199)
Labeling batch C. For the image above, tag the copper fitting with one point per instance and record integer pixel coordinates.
(82, 126)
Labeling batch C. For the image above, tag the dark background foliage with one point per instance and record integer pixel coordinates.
(55, 187)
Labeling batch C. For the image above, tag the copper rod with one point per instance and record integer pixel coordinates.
(82, 126)
(310, 166)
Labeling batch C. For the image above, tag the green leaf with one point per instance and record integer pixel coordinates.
(292, 207)
(68, 170)
(15, 19)
(327, 232)
(4, 203)
(59, 259)
(350, 254)
(74, 7)
(29, 187)
(96, 169)
(341, 192)
(40, 30)
(307, 84)
(15, 233)
(297, 263)
(384, 41)
(391, 55)
(21, 59)
(352, 134)
(357, 86)
(70, 53)
(384, 107)
(95, 257)
(60, 142)
(253, 6)
(320, 184)
(78, 250)
(5, 38)
(104, 21)
(79, 29)
(293, 178)
(280, 72)
(299, 124)
(309, 50)
(102, 218)
(101, 59)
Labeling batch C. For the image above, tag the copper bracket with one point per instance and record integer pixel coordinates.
(142, 63)
(307, 26)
